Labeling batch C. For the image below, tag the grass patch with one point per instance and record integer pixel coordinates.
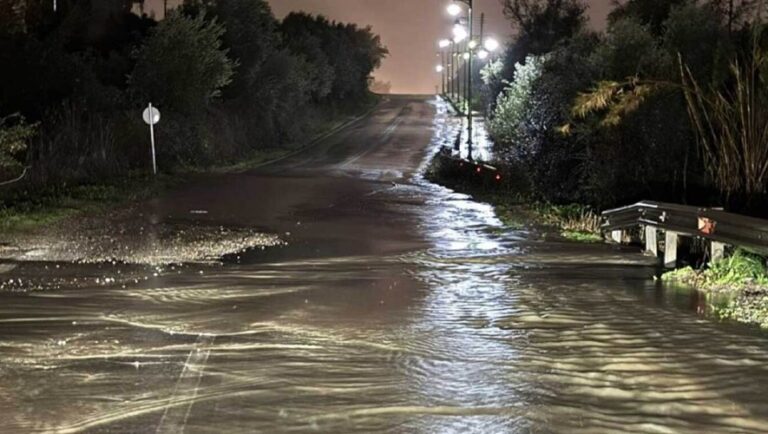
(26, 210)
(573, 222)
(741, 277)
(741, 270)
(582, 237)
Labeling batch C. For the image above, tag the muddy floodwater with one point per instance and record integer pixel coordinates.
(394, 306)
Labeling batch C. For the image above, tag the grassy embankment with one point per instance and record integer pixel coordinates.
(736, 287)
(573, 222)
(26, 209)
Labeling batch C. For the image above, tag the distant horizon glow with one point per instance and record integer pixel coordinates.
(409, 29)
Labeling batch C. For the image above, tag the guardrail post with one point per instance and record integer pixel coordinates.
(670, 249)
(617, 236)
(651, 241)
(717, 251)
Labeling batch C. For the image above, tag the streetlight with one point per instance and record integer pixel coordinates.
(482, 54)
(447, 65)
(491, 44)
(440, 69)
(460, 33)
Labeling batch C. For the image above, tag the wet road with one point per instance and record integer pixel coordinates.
(396, 306)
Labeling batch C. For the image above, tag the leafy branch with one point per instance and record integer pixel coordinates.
(15, 133)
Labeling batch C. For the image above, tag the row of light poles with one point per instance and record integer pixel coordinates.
(464, 45)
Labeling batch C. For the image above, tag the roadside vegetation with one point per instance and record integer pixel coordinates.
(583, 114)
(517, 211)
(668, 103)
(647, 109)
(235, 86)
(737, 286)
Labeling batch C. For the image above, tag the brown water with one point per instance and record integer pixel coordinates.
(397, 306)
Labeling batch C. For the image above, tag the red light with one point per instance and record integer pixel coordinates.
(498, 177)
(478, 169)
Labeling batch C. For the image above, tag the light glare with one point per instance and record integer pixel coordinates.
(491, 44)
(482, 54)
(444, 43)
(459, 33)
(453, 9)
(439, 68)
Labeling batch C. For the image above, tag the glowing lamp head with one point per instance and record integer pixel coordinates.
(444, 43)
(459, 33)
(491, 44)
(482, 54)
(472, 44)
(453, 9)
(439, 68)
(466, 56)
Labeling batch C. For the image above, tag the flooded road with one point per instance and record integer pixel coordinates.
(395, 306)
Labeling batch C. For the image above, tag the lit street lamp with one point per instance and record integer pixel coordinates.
(447, 65)
(454, 9)
(460, 33)
(491, 44)
(440, 69)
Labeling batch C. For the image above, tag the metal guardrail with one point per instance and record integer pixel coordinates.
(708, 223)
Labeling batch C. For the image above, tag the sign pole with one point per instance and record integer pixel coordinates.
(152, 137)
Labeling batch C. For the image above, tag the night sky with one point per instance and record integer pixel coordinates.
(410, 29)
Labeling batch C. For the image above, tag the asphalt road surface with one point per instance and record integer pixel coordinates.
(394, 305)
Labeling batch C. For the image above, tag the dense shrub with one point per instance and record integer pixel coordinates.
(182, 65)
(228, 77)
(590, 123)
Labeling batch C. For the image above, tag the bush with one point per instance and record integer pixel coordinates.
(507, 124)
(182, 66)
(75, 145)
(15, 134)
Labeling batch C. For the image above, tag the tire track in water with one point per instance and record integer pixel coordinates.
(175, 417)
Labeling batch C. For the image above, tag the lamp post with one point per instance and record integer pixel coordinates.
(440, 69)
(454, 9)
(444, 44)
(482, 48)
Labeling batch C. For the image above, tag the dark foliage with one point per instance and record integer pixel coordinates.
(227, 76)
(644, 147)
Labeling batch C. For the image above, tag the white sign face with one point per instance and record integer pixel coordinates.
(151, 118)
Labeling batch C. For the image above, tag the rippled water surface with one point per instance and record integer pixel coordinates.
(399, 307)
